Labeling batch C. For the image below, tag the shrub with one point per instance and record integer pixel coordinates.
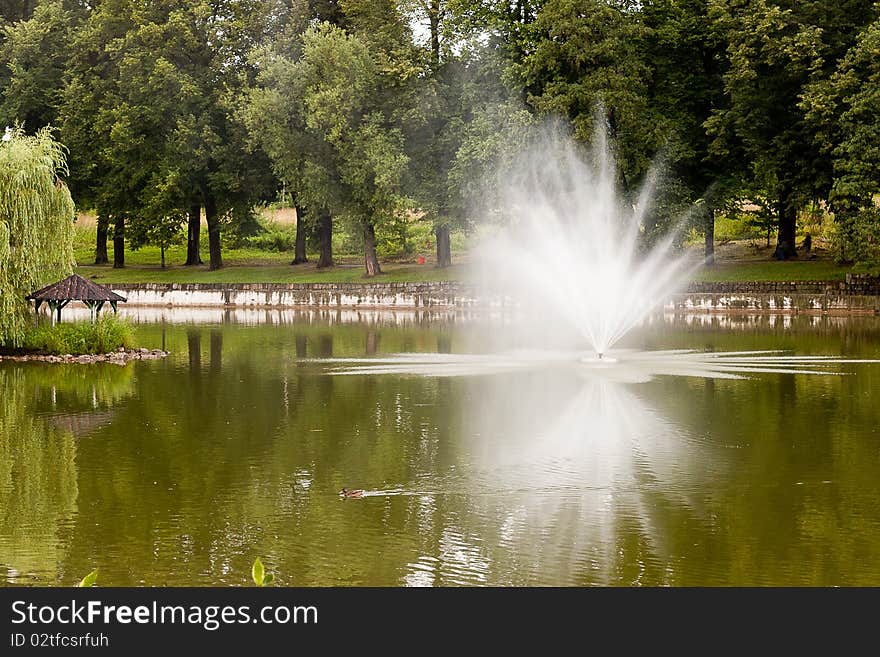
(274, 239)
(107, 334)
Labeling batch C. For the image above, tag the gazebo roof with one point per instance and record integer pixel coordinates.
(75, 288)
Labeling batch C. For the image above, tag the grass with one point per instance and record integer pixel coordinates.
(234, 272)
(245, 265)
(106, 335)
(794, 270)
(736, 261)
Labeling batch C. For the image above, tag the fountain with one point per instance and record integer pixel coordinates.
(574, 252)
(572, 257)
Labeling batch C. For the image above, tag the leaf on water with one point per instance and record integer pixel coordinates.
(89, 580)
(258, 572)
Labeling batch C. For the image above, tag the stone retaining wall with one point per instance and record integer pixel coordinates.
(289, 295)
(857, 294)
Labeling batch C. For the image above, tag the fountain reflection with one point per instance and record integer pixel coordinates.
(567, 475)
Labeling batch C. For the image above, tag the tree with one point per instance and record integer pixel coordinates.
(36, 224)
(776, 51)
(342, 84)
(155, 87)
(584, 55)
(844, 108)
(493, 139)
(162, 231)
(685, 52)
(442, 101)
(275, 115)
(319, 120)
(34, 56)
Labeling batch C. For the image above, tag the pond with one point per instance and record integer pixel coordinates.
(183, 471)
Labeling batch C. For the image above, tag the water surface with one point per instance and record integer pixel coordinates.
(182, 471)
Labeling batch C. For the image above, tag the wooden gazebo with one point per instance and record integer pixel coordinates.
(74, 288)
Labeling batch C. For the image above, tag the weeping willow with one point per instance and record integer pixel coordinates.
(36, 224)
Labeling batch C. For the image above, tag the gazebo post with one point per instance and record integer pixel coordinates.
(37, 303)
(60, 306)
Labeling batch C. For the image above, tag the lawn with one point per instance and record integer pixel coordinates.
(736, 262)
(244, 265)
(793, 270)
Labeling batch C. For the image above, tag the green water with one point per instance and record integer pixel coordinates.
(182, 471)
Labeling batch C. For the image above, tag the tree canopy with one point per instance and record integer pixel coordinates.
(375, 114)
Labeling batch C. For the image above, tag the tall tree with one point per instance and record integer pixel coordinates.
(440, 109)
(775, 51)
(36, 224)
(845, 110)
(156, 87)
(685, 51)
(33, 56)
(584, 55)
(323, 123)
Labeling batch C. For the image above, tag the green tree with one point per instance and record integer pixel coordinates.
(776, 50)
(33, 56)
(149, 109)
(323, 124)
(459, 76)
(845, 108)
(36, 224)
(685, 52)
(581, 55)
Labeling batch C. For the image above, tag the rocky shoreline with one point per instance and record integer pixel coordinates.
(119, 357)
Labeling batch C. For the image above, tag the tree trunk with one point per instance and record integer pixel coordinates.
(101, 241)
(371, 260)
(434, 23)
(213, 232)
(119, 242)
(709, 222)
(325, 239)
(193, 232)
(162, 255)
(299, 249)
(444, 248)
(785, 246)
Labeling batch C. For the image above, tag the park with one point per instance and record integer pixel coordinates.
(439, 293)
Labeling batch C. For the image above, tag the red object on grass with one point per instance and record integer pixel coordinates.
(421, 260)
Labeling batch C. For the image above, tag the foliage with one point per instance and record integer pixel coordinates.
(107, 334)
(259, 574)
(845, 107)
(862, 233)
(275, 239)
(36, 225)
(322, 121)
(362, 117)
(583, 57)
(34, 55)
(89, 580)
